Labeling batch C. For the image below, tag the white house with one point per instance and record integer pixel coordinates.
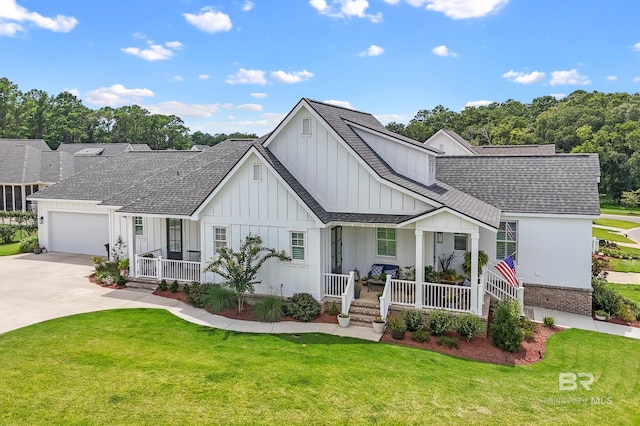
(339, 192)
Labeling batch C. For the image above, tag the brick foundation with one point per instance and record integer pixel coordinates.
(567, 299)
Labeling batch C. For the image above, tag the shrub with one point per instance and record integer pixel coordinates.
(269, 309)
(527, 324)
(605, 298)
(439, 322)
(624, 313)
(449, 342)
(528, 335)
(303, 307)
(396, 322)
(217, 298)
(334, 310)
(185, 288)
(198, 294)
(420, 336)
(549, 322)
(163, 285)
(602, 313)
(123, 263)
(174, 286)
(467, 325)
(635, 308)
(505, 329)
(121, 281)
(28, 243)
(7, 232)
(413, 319)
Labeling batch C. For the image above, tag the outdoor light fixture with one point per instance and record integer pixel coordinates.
(41, 220)
(439, 237)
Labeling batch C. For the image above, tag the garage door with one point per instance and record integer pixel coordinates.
(79, 233)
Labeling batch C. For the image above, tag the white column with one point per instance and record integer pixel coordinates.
(474, 272)
(419, 267)
(131, 245)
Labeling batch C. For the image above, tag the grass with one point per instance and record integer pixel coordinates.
(630, 291)
(615, 223)
(630, 250)
(139, 366)
(605, 234)
(8, 249)
(610, 208)
(624, 265)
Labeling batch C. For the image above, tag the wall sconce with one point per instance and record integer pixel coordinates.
(41, 220)
(439, 237)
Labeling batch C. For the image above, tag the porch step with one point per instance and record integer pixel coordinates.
(362, 313)
(139, 283)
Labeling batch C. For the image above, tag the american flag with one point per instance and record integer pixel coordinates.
(508, 271)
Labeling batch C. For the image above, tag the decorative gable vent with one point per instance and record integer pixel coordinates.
(306, 126)
(257, 172)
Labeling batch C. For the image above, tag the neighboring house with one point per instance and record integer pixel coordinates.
(199, 147)
(338, 191)
(451, 143)
(87, 154)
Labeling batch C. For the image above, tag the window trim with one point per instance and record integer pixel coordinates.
(500, 256)
(307, 131)
(256, 169)
(216, 241)
(387, 240)
(303, 234)
(135, 226)
(466, 242)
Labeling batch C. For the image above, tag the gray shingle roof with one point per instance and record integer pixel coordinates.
(108, 149)
(38, 144)
(552, 184)
(549, 149)
(55, 166)
(338, 118)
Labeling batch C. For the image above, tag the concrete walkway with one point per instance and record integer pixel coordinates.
(623, 277)
(41, 287)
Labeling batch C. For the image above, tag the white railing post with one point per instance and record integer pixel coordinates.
(347, 296)
(385, 299)
(133, 269)
(419, 272)
(159, 268)
(521, 295)
(480, 297)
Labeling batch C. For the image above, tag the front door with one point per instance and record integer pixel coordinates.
(336, 250)
(174, 239)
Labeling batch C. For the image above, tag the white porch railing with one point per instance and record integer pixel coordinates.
(446, 296)
(167, 269)
(348, 293)
(385, 299)
(334, 284)
(499, 288)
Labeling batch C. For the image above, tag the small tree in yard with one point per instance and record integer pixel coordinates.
(240, 268)
(630, 199)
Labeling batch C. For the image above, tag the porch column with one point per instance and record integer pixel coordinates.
(419, 267)
(131, 245)
(474, 272)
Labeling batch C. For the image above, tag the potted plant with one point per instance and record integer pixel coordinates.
(344, 319)
(97, 261)
(123, 266)
(357, 289)
(397, 325)
(378, 325)
(601, 315)
(483, 259)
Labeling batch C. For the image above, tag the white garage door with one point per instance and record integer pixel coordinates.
(79, 233)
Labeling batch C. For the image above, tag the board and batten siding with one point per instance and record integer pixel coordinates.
(334, 177)
(445, 143)
(268, 209)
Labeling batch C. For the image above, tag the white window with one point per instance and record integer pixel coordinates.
(460, 242)
(139, 227)
(507, 240)
(257, 172)
(306, 126)
(387, 242)
(432, 167)
(297, 246)
(219, 238)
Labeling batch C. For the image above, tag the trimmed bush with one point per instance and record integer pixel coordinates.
(549, 322)
(269, 309)
(334, 310)
(217, 298)
(420, 336)
(174, 287)
(185, 288)
(624, 313)
(439, 322)
(413, 319)
(449, 342)
(505, 329)
(605, 298)
(28, 243)
(121, 281)
(163, 285)
(467, 325)
(303, 307)
(7, 232)
(198, 294)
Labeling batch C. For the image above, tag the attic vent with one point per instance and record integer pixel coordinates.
(257, 172)
(306, 126)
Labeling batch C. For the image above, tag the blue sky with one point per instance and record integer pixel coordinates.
(241, 65)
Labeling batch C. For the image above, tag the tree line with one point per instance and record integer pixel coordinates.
(584, 122)
(62, 118)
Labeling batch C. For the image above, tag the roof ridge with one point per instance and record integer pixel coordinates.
(338, 106)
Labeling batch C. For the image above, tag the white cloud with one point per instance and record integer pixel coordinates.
(11, 13)
(74, 92)
(343, 104)
(247, 77)
(636, 47)
(344, 9)
(203, 77)
(266, 123)
(572, 77)
(443, 50)
(612, 77)
(558, 96)
(209, 20)
(116, 95)
(249, 107)
(290, 78)
(636, 80)
(139, 35)
(372, 50)
(522, 78)
(391, 2)
(475, 104)
(388, 118)
(175, 45)
(155, 52)
(461, 9)
(183, 110)
(178, 78)
(247, 6)
(258, 95)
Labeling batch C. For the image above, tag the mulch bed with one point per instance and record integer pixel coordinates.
(621, 322)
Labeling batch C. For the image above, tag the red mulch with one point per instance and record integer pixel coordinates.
(621, 322)
(92, 279)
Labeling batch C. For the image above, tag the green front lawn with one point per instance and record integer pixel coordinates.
(605, 234)
(630, 291)
(609, 208)
(615, 223)
(8, 249)
(139, 366)
(624, 265)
